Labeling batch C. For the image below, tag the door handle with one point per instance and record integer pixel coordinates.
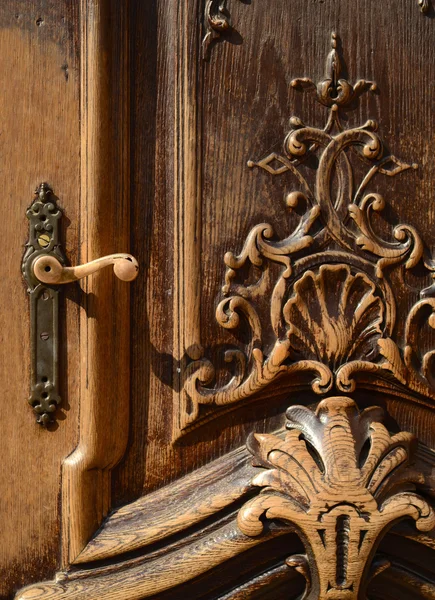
(48, 269)
(44, 271)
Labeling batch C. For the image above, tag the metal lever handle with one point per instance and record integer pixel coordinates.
(48, 269)
(44, 269)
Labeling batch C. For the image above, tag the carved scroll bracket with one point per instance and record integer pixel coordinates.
(342, 481)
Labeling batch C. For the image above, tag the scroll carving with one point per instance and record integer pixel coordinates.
(217, 20)
(341, 480)
(332, 306)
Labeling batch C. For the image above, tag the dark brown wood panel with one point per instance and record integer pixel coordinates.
(235, 107)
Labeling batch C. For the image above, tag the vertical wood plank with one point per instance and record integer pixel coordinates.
(187, 198)
(39, 141)
(104, 321)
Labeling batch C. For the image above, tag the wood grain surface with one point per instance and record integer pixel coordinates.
(184, 540)
(143, 117)
(104, 229)
(244, 102)
(39, 141)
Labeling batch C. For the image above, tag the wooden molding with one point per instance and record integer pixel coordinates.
(184, 531)
(187, 201)
(160, 515)
(104, 321)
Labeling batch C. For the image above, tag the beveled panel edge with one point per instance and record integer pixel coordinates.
(172, 509)
(104, 373)
(145, 577)
(212, 494)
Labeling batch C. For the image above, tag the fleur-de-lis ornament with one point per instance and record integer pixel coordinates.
(334, 89)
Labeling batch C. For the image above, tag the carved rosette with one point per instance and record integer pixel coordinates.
(332, 306)
(341, 480)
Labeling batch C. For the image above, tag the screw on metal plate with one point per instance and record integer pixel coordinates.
(44, 224)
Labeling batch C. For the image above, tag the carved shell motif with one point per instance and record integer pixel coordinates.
(334, 316)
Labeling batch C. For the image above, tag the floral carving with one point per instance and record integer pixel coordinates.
(340, 498)
(332, 308)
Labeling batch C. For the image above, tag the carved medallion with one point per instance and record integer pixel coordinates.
(332, 306)
(341, 480)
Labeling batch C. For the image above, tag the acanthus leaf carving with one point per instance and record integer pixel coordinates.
(340, 498)
(352, 335)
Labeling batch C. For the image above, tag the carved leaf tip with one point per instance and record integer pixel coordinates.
(333, 90)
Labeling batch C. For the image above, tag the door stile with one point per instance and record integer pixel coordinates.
(105, 315)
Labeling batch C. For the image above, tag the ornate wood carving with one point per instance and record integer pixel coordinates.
(334, 89)
(342, 480)
(424, 5)
(189, 529)
(217, 20)
(332, 307)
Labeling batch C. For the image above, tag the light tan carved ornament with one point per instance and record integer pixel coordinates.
(341, 481)
(332, 306)
(424, 5)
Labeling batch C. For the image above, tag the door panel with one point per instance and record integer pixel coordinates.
(270, 167)
(212, 117)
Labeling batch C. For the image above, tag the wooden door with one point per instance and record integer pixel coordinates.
(253, 416)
